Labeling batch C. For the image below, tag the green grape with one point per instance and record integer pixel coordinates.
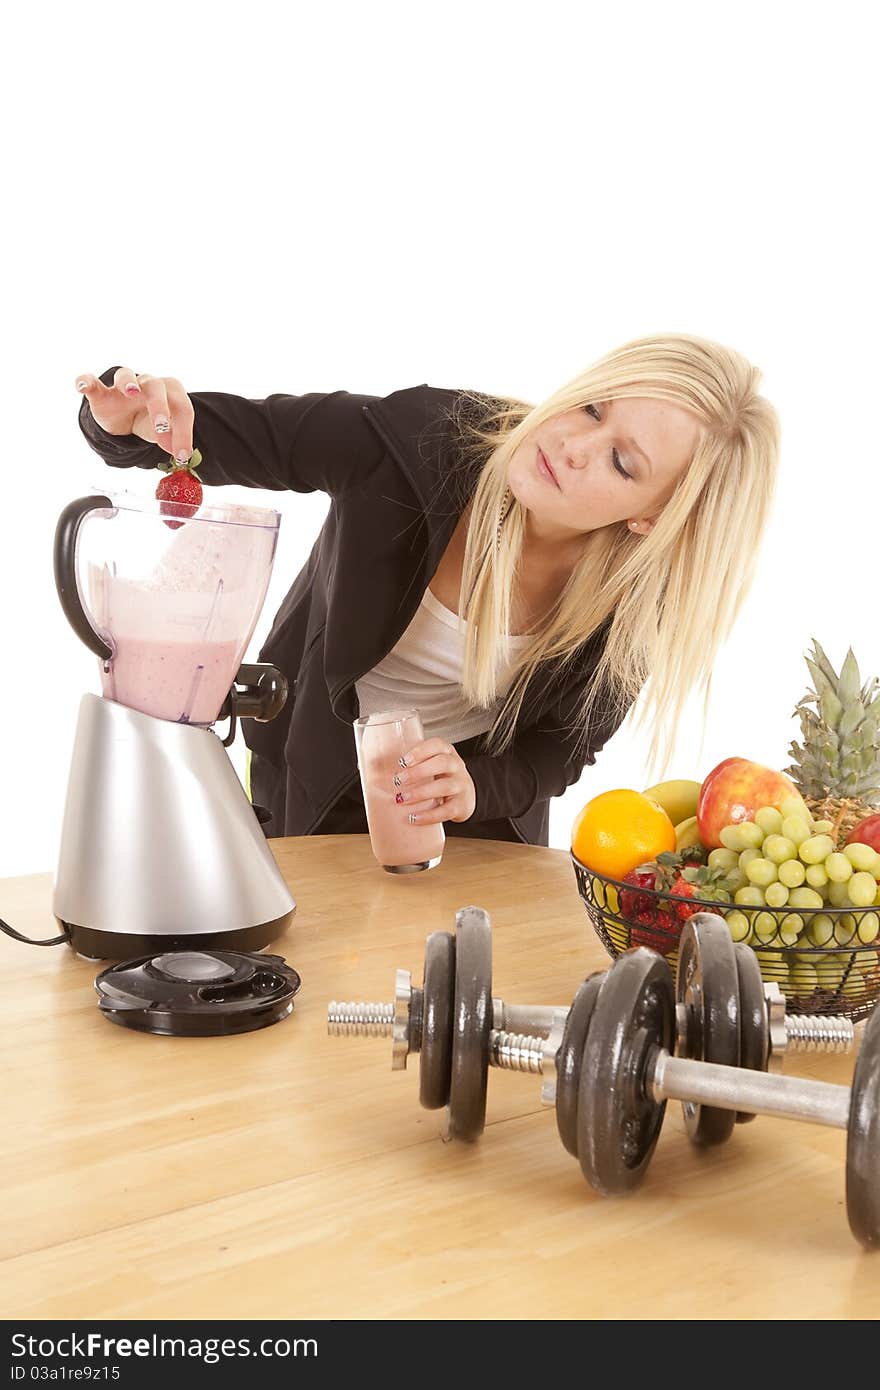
(787, 935)
(774, 968)
(805, 897)
(866, 961)
(792, 873)
(795, 828)
(792, 922)
(862, 890)
(839, 869)
(769, 819)
(837, 895)
(816, 875)
(862, 857)
(747, 856)
(749, 896)
(794, 806)
(868, 926)
(804, 978)
(723, 859)
(816, 848)
(735, 878)
(778, 848)
(738, 925)
(763, 872)
(820, 929)
(823, 827)
(746, 835)
(752, 835)
(764, 927)
(844, 929)
(776, 894)
(829, 971)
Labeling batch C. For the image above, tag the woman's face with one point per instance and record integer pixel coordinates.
(597, 464)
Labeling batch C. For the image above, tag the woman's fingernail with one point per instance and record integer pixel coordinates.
(404, 762)
(81, 385)
(161, 425)
(400, 798)
(411, 818)
(183, 456)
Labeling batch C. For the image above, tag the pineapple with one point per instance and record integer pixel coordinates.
(837, 771)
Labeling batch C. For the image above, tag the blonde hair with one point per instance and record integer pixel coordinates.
(668, 599)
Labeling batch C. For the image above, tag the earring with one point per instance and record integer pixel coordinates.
(506, 502)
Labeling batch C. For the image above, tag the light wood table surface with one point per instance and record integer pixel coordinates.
(285, 1174)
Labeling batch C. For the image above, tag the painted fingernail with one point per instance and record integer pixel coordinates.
(161, 425)
(400, 798)
(411, 818)
(404, 762)
(81, 385)
(183, 456)
(397, 780)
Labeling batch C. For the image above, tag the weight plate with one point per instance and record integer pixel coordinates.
(618, 1121)
(754, 1028)
(863, 1140)
(707, 984)
(471, 1024)
(438, 992)
(569, 1056)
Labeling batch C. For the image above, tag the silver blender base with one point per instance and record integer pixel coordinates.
(160, 848)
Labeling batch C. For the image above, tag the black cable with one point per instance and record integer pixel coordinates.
(32, 940)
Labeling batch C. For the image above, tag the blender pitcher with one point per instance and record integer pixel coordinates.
(172, 605)
(160, 847)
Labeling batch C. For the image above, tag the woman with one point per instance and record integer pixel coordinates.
(517, 572)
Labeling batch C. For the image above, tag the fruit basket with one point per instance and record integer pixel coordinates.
(841, 979)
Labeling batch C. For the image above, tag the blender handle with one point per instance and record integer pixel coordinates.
(264, 696)
(66, 533)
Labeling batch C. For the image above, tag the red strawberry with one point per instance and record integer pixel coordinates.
(180, 489)
(657, 921)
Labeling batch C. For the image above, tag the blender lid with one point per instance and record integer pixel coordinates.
(198, 993)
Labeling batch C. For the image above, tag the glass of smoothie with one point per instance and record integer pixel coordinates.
(382, 739)
(176, 605)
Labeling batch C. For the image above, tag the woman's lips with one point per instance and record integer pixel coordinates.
(545, 470)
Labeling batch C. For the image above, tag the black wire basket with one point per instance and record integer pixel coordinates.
(833, 979)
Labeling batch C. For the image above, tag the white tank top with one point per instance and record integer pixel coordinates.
(424, 670)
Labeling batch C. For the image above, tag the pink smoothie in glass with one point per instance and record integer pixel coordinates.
(397, 844)
(180, 681)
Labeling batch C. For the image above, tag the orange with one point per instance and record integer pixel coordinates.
(618, 830)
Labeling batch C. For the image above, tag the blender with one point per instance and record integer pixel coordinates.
(160, 849)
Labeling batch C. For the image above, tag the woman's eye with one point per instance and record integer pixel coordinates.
(592, 410)
(615, 458)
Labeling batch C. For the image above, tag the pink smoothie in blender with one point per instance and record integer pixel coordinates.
(176, 606)
(381, 740)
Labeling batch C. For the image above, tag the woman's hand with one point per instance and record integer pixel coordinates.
(434, 785)
(155, 408)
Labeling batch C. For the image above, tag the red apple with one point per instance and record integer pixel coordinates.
(868, 833)
(734, 791)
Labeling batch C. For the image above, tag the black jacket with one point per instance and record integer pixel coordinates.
(396, 488)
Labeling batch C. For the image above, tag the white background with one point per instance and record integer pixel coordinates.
(257, 198)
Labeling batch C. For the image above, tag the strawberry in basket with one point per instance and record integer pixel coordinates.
(682, 875)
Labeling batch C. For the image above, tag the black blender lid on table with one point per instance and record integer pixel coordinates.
(198, 993)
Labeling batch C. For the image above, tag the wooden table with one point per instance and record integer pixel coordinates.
(285, 1174)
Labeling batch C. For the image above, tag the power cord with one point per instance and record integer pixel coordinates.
(32, 940)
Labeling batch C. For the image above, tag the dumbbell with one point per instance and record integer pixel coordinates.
(613, 1065)
(457, 985)
(455, 1025)
(627, 1073)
